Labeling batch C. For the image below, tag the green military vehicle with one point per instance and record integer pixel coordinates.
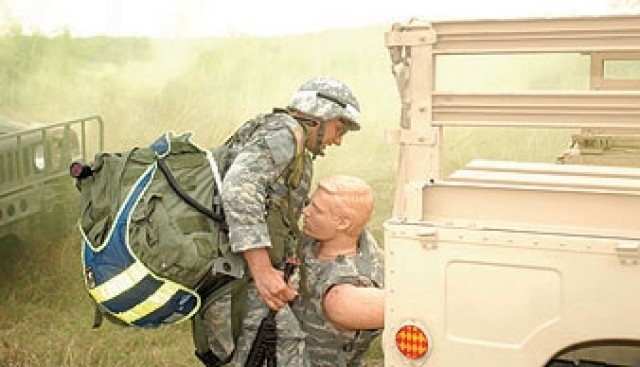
(37, 197)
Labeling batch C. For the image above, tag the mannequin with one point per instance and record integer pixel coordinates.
(344, 308)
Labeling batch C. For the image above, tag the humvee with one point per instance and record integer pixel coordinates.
(36, 195)
(506, 263)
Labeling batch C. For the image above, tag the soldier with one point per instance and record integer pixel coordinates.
(263, 193)
(344, 309)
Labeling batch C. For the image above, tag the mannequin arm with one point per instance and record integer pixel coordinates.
(354, 308)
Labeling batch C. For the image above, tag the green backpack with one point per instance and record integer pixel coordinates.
(155, 245)
(153, 231)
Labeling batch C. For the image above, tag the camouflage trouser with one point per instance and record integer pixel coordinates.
(218, 325)
(290, 345)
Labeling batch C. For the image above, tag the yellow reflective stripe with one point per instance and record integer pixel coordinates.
(152, 303)
(120, 283)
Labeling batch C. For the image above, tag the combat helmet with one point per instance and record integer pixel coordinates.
(327, 99)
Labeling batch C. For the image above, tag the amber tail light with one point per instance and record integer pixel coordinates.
(412, 342)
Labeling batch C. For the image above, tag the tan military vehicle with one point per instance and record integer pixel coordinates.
(518, 264)
(37, 196)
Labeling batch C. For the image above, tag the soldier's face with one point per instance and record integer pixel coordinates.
(334, 130)
(319, 221)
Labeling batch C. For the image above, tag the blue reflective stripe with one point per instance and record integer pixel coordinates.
(181, 305)
(113, 256)
(133, 296)
(123, 281)
(137, 297)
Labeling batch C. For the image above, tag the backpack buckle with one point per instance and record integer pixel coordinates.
(228, 264)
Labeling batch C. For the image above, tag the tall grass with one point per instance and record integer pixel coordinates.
(143, 87)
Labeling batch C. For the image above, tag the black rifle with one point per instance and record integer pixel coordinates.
(264, 344)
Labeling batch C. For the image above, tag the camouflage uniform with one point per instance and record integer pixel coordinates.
(257, 178)
(257, 182)
(326, 345)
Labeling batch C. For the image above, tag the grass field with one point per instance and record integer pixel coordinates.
(143, 87)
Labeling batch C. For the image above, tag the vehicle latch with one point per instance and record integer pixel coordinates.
(428, 238)
(628, 252)
(592, 143)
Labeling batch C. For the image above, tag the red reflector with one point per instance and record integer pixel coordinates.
(412, 342)
(79, 170)
(76, 169)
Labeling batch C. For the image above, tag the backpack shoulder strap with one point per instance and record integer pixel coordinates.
(297, 165)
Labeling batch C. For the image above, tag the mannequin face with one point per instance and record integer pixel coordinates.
(319, 221)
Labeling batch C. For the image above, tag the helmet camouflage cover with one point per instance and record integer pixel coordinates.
(328, 99)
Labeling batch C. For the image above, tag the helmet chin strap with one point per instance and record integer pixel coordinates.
(307, 122)
(317, 149)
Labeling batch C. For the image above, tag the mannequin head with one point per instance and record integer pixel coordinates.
(340, 206)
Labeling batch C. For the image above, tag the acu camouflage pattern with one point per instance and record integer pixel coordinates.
(326, 345)
(308, 99)
(263, 152)
(290, 347)
(262, 156)
(218, 327)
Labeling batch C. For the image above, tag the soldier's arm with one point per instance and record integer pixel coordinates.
(354, 308)
(244, 192)
(244, 188)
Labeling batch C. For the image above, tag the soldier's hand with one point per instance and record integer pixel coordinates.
(273, 290)
(269, 281)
